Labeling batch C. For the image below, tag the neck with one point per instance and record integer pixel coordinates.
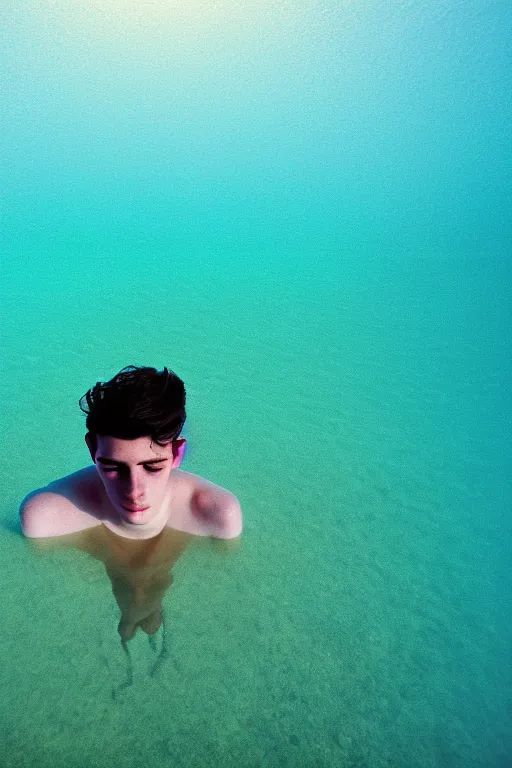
(153, 527)
(131, 531)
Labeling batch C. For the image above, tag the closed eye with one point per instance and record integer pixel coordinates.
(147, 468)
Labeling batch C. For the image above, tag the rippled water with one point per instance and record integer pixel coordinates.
(301, 210)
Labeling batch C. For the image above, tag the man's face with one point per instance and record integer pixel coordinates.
(135, 474)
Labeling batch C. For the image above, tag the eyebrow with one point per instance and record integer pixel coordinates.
(104, 460)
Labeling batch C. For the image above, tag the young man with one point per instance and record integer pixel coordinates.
(135, 488)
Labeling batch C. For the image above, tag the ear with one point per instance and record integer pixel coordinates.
(178, 452)
(91, 444)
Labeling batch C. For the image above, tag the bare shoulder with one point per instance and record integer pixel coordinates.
(64, 506)
(206, 509)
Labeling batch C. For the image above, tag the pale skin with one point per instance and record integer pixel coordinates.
(136, 490)
(134, 510)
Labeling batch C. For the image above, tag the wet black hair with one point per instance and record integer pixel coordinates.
(137, 402)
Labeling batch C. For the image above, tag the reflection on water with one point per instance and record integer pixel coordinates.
(140, 573)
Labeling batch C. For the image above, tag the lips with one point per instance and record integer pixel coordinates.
(130, 508)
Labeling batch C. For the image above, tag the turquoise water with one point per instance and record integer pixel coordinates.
(301, 208)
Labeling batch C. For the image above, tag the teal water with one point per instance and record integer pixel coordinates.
(302, 209)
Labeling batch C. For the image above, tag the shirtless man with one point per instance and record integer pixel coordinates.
(135, 488)
(134, 509)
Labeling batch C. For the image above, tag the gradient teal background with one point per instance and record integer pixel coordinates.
(303, 209)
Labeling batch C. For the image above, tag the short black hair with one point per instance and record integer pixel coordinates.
(137, 402)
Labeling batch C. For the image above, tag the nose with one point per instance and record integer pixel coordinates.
(134, 488)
